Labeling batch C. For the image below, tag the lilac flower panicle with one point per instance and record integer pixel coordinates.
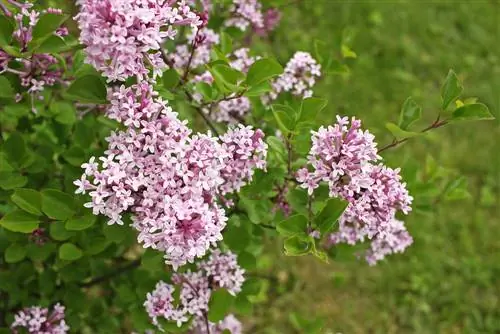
(345, 157)
(167, 177)
(245, 13)
(39, 320)
(271, 20)
(247, 152)
(298, 78)
(220, 270)
(123, 36)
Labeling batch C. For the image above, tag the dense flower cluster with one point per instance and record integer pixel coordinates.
(37, 71)
(298, 78)
(38, 320)
(247, 151)
(220, 270)
(123, 36)
(168, 177)
(245, 13)
(345, 157)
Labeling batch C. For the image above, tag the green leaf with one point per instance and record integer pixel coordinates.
(10, 181)
(247, 260)
(15, 147)
(400, 133)
(310, 108)
(298, 200)
(58, 231)
(297, 246)
(294, 225)
(88, 88)
(6, 30)
(74, 155)
(226, 76)
(262, 70)
(285, 117)
(323, 53)
(57, 205)
(65, 112)
(259, 89)
(6, 90)
(53, 44)
(472, 112)
(47, 25)
(19, 221)
(15, 253)
(205, 90)
(170, 78)
(332, 211)
(81, 223)
(29, 200)
(451, 90)
(226, 44)
(277, 146)
(410, 113)
(220, 303)
(237, 238)
(69, 252)
(347, 52)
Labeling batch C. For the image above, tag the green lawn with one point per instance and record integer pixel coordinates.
(448, 281)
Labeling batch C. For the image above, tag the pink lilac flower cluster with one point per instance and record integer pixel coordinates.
(298, 78)
(220, 270)
(245, 13)
(169, 178)
(247, 152)
(38, 320)
(271, 20)
(40, 70)
(345, 157)
(202, 41)
(123, 36)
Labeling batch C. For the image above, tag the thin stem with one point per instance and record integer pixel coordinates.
(132, 265)
(201, 113)
(437, 124)
(193, 49)
(289, 160)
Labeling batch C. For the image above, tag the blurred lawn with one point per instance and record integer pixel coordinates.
(448, 281)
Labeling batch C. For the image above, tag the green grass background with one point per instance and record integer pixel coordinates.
(448, 281)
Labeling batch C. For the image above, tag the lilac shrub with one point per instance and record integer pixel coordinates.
(167, 149)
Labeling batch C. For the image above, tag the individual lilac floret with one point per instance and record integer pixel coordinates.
(345, 157)
(123, 36)
(202, 41)
(247, 151)
(298, 78)
(38, 320)
(338, 156)
(220, 270)
(245, 13)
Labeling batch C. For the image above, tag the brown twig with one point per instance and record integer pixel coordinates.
(437, 124)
